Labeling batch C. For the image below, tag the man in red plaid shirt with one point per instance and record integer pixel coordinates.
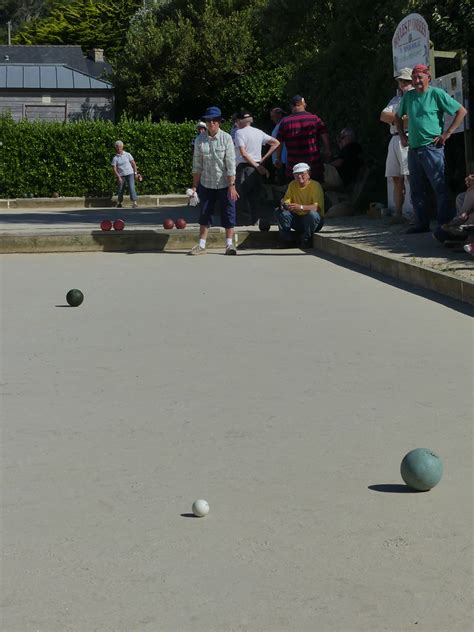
(303, 133)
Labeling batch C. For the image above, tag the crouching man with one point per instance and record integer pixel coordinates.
(301, 210)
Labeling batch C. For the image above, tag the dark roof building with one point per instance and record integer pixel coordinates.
(55, 83)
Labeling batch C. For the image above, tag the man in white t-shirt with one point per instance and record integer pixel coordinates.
(396, 166)
(125, 170)
(248, 143)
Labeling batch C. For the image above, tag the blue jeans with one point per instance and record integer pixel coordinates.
(427, 167)
(130, 181)
(304, 225)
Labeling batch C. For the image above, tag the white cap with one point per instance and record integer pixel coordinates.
(201, 124)
(301, 167)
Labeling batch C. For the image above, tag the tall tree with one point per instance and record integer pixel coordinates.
(89, 23)
(185, 54)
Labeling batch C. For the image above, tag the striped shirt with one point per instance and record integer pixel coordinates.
(214, 159)
(301, 132)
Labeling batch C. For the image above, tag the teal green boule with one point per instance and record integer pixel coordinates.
(74, 297)
(421, 469)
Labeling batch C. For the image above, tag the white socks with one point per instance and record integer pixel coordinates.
(202, 243)
(228, 241)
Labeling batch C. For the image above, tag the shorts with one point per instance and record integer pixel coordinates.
(396, 165)
(208, 198)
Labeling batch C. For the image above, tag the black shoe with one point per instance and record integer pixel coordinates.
(119, 205)
(418, 228)
(306, 243)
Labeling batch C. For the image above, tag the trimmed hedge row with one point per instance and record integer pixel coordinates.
(73, 159)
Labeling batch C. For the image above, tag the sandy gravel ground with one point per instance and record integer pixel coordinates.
(282, 388)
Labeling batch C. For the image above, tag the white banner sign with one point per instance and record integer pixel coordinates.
(452, 84)
(411, 43)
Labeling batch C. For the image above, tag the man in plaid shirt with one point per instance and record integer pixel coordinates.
(302, 133)
(214, 180)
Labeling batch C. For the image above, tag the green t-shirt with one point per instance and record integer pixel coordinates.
(426, 112)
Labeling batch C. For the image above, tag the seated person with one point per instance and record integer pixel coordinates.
(461, 227)
(465, 201)
(302, 208)
(342, 171)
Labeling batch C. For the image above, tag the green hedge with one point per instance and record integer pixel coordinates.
(73, 159)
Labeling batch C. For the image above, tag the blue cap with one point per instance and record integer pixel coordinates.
(212, 113)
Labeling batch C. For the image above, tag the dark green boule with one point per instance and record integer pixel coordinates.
(74, 297)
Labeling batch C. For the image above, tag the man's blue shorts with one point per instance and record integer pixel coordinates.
(208, 199)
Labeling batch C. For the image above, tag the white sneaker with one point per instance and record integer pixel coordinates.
(230, 250)
(197, 250)
(135, 204)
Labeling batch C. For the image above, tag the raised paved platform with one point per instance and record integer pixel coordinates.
(373, 244)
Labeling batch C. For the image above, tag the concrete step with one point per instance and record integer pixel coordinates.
(144, 201)
(133, 240)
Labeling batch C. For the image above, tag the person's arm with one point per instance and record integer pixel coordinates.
(326, 145)
(387, 117)
(197, 164)
(230, 168)
(116, 173)
(273, 146)
(442, 138)
(134, 167)
(401, 132)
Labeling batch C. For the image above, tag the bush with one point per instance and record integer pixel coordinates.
(74, 159)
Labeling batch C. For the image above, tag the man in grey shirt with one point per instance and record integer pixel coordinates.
(214, 179)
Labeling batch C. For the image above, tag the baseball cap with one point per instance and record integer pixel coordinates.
(404, 73)
(243, 114)
(296, 99)
(301, 167)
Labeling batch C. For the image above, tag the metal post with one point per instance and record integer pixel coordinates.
(467, 127)
(9, 27)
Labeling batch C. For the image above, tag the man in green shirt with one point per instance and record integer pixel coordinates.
(425, 108)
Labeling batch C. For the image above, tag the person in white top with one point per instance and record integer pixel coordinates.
(248, 143)
(125, 170)
(396, 166)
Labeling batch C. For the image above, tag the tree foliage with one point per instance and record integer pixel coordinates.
(90, 23)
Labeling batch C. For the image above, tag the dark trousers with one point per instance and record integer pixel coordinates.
(209, 198)
(248, 183)
(304, 225)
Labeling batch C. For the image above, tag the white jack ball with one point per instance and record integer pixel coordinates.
(200, 508)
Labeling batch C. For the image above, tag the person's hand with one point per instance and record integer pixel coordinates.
(233, 195)
(263, 171)
(294, 207)
(119, 179)
(441, 139)
(404, 140)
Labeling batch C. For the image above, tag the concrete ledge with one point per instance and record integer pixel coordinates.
(419, 276)
(127, 241)
(145, 201)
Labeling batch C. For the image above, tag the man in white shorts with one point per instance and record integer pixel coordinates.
(396, 166)
(248, 143)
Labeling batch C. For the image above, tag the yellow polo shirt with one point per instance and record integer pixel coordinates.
(311, 193)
